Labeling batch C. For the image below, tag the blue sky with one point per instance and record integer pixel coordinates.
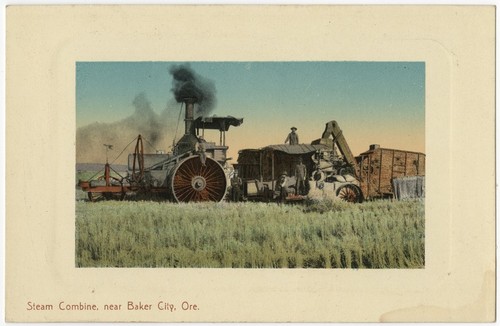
(373, 102)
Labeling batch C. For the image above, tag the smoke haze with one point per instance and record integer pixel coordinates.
(158, 129)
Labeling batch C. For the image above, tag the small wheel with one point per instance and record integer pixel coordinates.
(95, 196)
(98, 196)
(350, 193)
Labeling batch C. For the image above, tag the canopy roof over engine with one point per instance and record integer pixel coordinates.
(217, 123)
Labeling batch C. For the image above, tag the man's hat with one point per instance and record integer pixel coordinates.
(284, 173)
(293, 128)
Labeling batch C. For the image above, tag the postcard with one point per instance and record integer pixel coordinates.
(250, 163)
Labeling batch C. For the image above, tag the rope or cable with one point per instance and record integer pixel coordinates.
(124, 150)
(147, 141)
(92, 177)
(121, 176)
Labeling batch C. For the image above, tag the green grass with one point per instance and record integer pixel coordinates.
(327, 234)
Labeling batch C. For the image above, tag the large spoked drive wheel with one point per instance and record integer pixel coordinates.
(194, 182)
(350, 193)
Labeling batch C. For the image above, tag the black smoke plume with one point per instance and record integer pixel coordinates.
(188, 84)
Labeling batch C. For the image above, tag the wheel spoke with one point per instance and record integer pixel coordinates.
(349, 193)
(185, 191)
(194, 181)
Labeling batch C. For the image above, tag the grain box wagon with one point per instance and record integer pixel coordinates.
(391, 173)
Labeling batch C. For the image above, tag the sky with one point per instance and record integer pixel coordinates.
(373, 102)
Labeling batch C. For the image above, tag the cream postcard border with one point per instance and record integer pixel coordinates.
(457, 45)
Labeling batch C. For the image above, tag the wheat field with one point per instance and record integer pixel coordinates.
(319, 234)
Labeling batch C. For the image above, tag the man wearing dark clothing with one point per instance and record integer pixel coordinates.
(293, 137)
(236, 184)
(300, 177)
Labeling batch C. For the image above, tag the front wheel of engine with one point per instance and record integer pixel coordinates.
(193, 181)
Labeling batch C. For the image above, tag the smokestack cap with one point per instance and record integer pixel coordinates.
(190, 100)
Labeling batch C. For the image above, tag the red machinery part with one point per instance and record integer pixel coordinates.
(197, 181)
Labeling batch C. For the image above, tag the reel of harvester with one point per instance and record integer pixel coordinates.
(137, 173)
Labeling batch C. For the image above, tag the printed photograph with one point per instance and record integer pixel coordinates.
(250, 165)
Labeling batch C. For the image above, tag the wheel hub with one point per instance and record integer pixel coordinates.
(198, 183)
(195, 182)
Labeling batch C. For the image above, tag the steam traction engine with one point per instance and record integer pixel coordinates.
(195, 171)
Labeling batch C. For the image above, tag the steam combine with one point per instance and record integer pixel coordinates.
(198, 171)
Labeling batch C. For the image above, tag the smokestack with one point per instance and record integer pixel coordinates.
(189, 116)
(189, 140)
